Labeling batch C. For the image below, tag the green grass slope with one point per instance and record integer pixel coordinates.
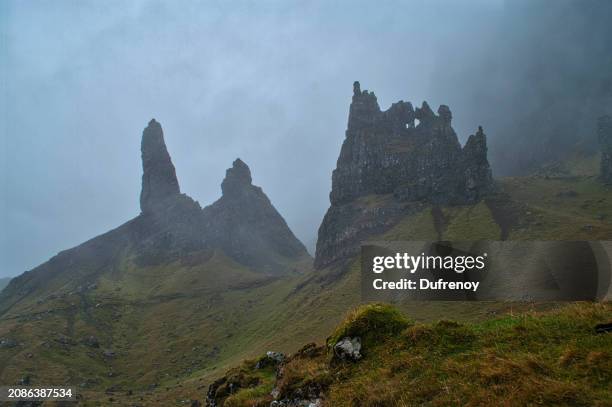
(531, 358)
(152, 326)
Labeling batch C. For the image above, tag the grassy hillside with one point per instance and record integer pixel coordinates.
(164, 333)
(562, 204)
(150, 325)
(551, 358)
(526, 208)
(167, 342)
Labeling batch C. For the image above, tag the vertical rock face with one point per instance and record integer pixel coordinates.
(247, 227)
(363, 155)
(159, 180)
(604, 130)
(478, 177)
(237, 180)
(390, 153)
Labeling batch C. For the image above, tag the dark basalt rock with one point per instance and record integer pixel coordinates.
(388, 152)
(477, 172)
(159, 182)
(245, 225)
(604, 131)
(345, 226)
(237, 179)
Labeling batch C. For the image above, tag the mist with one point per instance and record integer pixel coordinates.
(269, 82)
(538, 83)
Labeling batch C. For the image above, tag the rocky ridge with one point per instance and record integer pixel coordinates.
(411, 155)
(243, 224)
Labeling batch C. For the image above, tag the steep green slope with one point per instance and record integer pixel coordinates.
(124, 333)
(530, 208)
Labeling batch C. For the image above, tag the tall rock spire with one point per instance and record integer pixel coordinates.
(159, 180)
(478, 176)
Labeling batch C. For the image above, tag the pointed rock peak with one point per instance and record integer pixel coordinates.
(477, 140)
(237, 178)
(424, 113)
(364, 108)
(158, 174)
(153, 124)
(476, 145)
(357, 92)
(445, 114)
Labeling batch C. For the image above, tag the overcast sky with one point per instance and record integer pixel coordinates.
(269, 82)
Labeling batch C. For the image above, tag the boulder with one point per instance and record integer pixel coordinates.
(348, 349)
(271, 359)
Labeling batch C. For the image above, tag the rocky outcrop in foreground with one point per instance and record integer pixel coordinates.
(412, 155)
(604, 130)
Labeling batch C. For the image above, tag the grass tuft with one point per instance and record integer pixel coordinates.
(372, 323)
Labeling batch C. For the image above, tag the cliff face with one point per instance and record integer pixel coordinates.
(385, 152)
(604, 130)
(410, 154)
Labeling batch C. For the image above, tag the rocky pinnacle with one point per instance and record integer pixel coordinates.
(236, 178)
(159, 180)
(244, 224)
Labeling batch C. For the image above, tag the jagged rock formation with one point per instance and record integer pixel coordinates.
(242, 223)
(388, 152)
(604, 130)
(246, 226)
(384, 152)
